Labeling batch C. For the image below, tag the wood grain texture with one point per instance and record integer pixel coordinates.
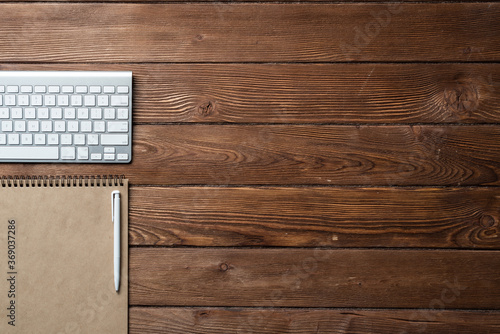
(308, 93)
(202, 320)
(319, 93)
(100, 32)
(312, 217)
(301, 155)
(301, 124)
(314, 278)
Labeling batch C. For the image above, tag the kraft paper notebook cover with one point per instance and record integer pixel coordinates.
(60, 277)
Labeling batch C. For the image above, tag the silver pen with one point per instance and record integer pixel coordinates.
(115, 216)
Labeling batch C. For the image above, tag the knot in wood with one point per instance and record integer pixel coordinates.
(462, 98)
(206, 109)
(487, 221)
(223, 267)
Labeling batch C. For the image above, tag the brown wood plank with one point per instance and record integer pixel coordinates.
(202, 320)
(301, 154)
(312, 217)
(314, 278)
(309, 93)
(100, 32)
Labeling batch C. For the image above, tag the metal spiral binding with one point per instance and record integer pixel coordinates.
(38, 181)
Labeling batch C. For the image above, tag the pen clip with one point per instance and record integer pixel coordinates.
(113, 194)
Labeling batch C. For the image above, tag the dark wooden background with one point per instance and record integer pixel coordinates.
(299, 167)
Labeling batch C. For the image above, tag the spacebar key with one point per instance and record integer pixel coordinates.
(29, 153)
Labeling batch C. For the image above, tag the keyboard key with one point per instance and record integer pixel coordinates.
(52, 139)
(40, 89)
(96, 156)
(93, 139)
(43, 113)
(76, 100)
(67, 89)
(20, 126)
(95, 89)
(117, 126)
(99, 127)
(26, 89)
(29, 153)
(109, 113)
(109, 150)
(29, 113)
(102, 100)
(6, 126)
(66, 139)
(67, 153)
(13, 138)
(27, 139)
(3, 139)
(63, 100)
(33, 126)
(109, 156)
(23, 100)
(122, 113)
(39, 139)
(1, 100)
(89, 100)
(46, 126)
(96, 113)
(122, 156)
(83, 153)
(116, 140)
(36, 100)
(79, 139)
(12, 89)
(83, 113)
(17, 113)
(86, 126)
(122, 90)
(50, 100)
(10, 100)
(4, 113)
(119, 100)
(2, 89)
(59, 126)
(54, 89)
(109, 89)
(69, 113)
(72, 126)
(81, 89)
(56, 113)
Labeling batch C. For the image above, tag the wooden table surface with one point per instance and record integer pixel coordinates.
(298, 167)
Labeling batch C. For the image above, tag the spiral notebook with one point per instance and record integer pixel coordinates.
(56, 255)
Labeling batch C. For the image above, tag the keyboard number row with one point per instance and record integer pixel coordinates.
(63, 126)
(65, 100)
(64, 139)
(67, 113)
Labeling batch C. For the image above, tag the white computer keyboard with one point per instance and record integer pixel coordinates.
(62, 116)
